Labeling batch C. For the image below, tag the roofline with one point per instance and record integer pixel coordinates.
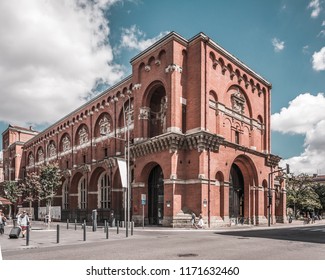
(212, 43)
(230, 57)
(82, 106)
(21, 129)
(170, 35)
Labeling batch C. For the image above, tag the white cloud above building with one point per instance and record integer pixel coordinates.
(315, 7)
(52, 53)
(278, 45)
(305, 115)
(134, 39)
(318, 60)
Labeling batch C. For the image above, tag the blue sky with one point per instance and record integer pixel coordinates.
(54, 52)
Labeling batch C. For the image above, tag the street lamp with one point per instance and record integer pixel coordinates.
(126, 140)
(269, 195)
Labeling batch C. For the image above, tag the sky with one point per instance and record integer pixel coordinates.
(56, 55)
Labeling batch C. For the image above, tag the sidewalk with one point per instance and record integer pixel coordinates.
(42, 237)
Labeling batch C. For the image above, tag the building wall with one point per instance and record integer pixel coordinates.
(192, 109)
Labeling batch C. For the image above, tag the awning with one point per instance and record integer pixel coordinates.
(4, 201)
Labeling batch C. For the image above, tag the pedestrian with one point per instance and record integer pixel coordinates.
(200, 222)
(23, 222)
(193, 217)
(3, 220)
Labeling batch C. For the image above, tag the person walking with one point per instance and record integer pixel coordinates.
(193, 217)
(23, 222)
(3, 220)
(200, 223)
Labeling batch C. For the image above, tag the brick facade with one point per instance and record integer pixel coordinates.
(199, 127)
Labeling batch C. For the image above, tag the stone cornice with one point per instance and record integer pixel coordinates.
(169, 141)
(203, 140)
(173, 142)
(198, 140)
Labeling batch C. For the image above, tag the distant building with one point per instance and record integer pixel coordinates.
(1, 171)
(319, 179)
(199, 125)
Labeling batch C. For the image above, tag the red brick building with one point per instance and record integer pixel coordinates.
(199, 125)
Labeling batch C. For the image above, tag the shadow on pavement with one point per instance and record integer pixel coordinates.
(314, 234)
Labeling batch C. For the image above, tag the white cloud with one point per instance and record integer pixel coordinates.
(302, 114)
(305, 115)
(319, 60)
(316, 8)
(52, 53)
(134, 39)
(277, 44)
(305, 49)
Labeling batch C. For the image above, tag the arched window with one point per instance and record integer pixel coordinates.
(31, 160)
(40, 155)
(52, 150)
(82, 187)
(83, 135)
(158, 111)
(66, 144)
(104, 126)
(104, 191)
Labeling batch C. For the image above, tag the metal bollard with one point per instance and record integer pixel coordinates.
(57, 233)
(117, 227)
(67, 223)
(132, 226)
(84, 230)
(75, 224)
(107, 231)
(27, 236)
(94, 219)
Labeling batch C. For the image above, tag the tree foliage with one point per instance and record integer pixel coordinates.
(30, 187)
(302, 195)
(50, 182)
(11, 190)
(320, 190)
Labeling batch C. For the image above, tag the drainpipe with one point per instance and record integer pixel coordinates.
(209, 190)
(205, 128)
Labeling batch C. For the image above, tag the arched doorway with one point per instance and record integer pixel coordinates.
(236, 192)
(156, 196)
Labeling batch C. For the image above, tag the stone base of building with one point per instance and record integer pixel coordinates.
(183, 220)
(281, 219)
(261, 220)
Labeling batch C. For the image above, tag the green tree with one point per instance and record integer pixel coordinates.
(50, 181)
(320, 190)
(11, 190)
(301, 194)
(30, 188)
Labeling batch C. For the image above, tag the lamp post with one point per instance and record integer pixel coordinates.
(127, 148)
(126, 140)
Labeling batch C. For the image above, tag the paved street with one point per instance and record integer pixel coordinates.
(289, 242)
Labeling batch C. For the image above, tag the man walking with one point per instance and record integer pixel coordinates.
(23, 222)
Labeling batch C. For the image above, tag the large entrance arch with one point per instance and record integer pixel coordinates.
(156, 196)
(236, 192)
(243, 180)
